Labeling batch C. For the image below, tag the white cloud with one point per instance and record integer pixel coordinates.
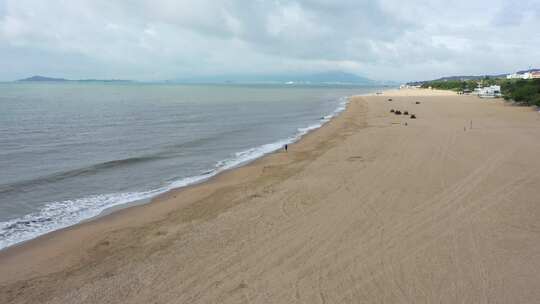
(164, 39)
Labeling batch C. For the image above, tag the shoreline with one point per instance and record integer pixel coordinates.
(363, 204)
(173, 192)
(44, 239)
(228, 164)
(205, 177)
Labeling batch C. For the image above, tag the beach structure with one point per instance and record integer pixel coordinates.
(527, 75)
(493, 91)
(408, 86)
(465, 92)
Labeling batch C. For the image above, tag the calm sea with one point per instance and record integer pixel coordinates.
(69, 151)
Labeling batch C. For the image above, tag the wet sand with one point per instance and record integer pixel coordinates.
(364, 210)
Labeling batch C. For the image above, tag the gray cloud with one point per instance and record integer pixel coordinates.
(164, 39)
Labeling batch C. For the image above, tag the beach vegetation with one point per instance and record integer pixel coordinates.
(522, 91)
(455, 85)
(525, 92)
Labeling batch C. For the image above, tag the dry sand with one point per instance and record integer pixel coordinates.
(364, 210)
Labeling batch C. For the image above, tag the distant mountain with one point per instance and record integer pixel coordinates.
(330, 78)
(38, 78)
(317, 78)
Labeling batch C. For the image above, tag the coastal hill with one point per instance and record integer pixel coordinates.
(524, 92)
(38, 78)
(471, 77)
(458, 78)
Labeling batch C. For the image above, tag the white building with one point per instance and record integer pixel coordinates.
(493, 91)
(406, 86)
(512, 76)
(526, 75)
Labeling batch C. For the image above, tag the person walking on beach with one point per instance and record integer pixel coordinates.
(286, 147)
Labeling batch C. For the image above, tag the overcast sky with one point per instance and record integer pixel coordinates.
(170, 39)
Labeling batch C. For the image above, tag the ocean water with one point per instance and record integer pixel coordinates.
(69, 151)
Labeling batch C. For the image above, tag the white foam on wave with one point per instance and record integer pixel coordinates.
(57, 215)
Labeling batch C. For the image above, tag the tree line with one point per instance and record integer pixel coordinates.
(522, 91)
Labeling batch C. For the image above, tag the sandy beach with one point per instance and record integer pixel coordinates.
(371, 208)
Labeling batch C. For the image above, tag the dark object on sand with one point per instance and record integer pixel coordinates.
(418, 102)
(392, 111)
(406, 113)
(398, 112)
(389, 99)
(413, 116)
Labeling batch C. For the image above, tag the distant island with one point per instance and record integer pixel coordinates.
(38, 78)
(41, 78)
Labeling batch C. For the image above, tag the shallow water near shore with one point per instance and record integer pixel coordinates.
(70, 151)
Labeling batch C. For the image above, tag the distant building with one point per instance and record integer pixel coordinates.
(535, 75)
(526, 75)
(512, 76)
(493, 91)
(407, 86)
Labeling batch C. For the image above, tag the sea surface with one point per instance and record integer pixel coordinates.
(69, 151)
